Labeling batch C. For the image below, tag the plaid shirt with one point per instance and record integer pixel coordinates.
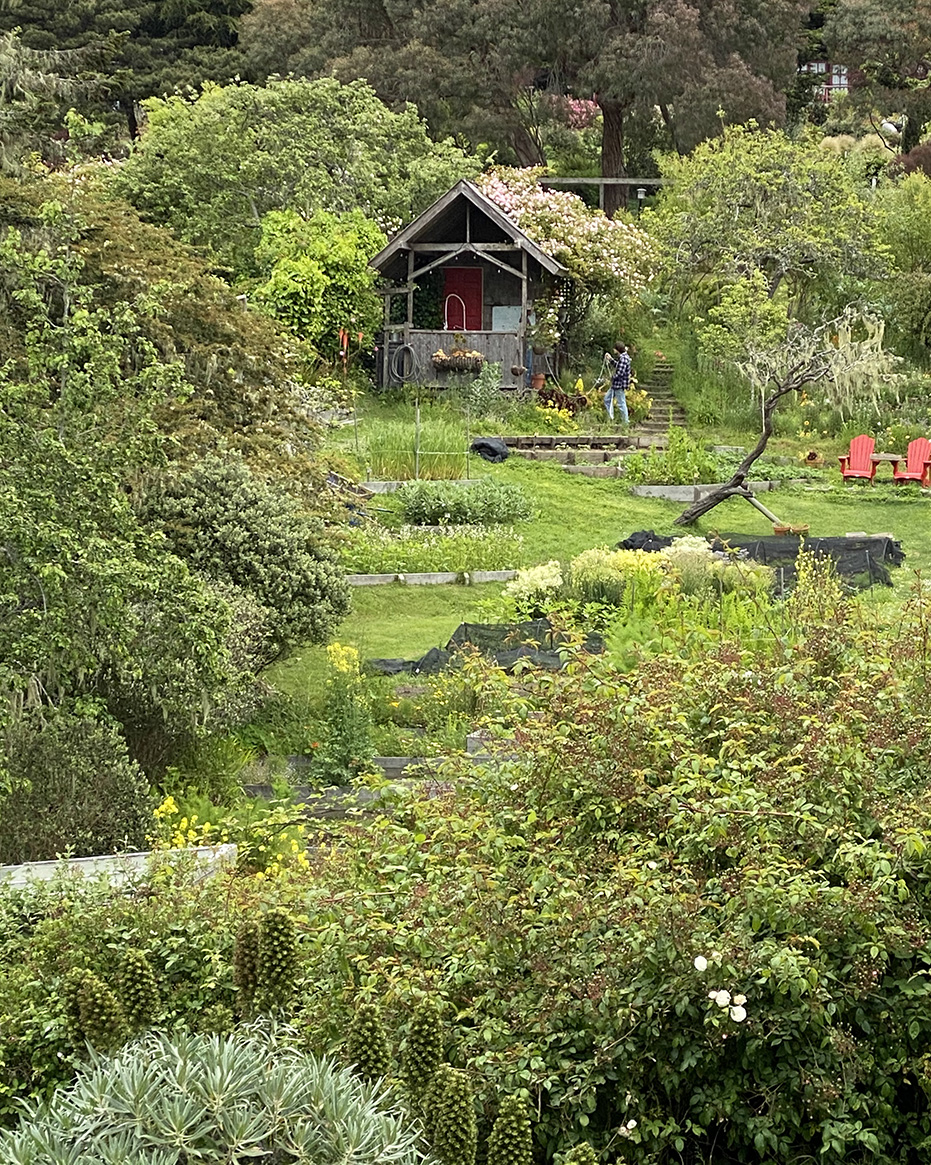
(620, 379)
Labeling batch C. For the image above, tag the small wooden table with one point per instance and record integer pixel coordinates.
(892, 458)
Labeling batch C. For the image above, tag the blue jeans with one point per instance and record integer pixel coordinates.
(617, 398)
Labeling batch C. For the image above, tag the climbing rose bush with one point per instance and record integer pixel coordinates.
(600, 253)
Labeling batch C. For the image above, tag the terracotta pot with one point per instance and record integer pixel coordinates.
(537, 381)
(781, 530)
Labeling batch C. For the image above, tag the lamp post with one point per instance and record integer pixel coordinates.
(641, 195)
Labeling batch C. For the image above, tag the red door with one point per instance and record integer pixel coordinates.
(462, 299)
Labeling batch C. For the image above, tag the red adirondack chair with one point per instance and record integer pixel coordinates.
(858, 463)
(917, 462)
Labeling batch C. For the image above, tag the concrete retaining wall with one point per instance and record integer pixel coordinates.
(120, 868)
(431, 578)
(692, 493)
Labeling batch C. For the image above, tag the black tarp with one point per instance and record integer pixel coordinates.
(859, 561)
(490, 448)
(535, 641)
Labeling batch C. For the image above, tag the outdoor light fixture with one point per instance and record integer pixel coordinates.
(641, 195)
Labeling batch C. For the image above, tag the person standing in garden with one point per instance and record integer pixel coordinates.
(616, 396)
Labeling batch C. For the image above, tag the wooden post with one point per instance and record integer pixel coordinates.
(524, 304)
(410, 297)
(385, 355)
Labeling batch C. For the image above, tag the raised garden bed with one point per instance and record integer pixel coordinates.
(692, 493)
(431, 578)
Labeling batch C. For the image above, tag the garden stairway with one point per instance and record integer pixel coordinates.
(666, 409)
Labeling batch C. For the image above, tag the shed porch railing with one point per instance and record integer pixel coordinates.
(416, 365)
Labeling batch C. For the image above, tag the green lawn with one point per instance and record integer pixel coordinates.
(389, 622)
(575, 513)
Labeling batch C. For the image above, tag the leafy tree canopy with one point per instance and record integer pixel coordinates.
(163, 46)
(754, 200)
(479, 65)
(887, 49)
(213, 166)
(319, 280)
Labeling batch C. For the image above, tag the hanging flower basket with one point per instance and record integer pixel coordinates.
(458, 361)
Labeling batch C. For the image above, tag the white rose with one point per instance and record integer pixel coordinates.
(700, 963)
(738, 1014)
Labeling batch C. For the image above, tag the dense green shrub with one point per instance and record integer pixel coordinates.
(485, 502)
(231, 526)
(73, 789)
(214, 1099)
(683, 462)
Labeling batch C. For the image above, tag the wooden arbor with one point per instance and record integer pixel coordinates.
(485, 275)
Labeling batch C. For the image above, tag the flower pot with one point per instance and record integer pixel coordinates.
(781, 530)
(799, 529)
(537, 381)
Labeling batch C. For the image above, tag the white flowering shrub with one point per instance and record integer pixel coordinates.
(601, 253)
(700, 570)
(533, 590)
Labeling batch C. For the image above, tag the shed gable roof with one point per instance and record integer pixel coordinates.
(416, 231)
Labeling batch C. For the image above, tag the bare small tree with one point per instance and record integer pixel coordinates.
(843, 356)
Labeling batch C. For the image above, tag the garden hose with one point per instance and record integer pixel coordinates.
(396, 362)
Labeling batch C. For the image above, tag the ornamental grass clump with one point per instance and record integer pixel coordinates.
(398, 451)
(367, 1044)
(511, 1142)
(450, 1118)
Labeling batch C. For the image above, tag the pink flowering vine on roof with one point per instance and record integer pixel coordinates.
(602, 254)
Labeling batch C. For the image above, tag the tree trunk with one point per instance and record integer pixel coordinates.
(736, 487)
(526, 147)
(670, 123)
(612, 152)
(128, 107)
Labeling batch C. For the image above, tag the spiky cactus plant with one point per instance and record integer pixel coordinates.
(582, 1154)
(102, 1019)
(366, 1044)
(424, 1049)
(277, 961)
(246, 966)
(71, 997)
(450, 1117)
(511, 1142)
(138, 990)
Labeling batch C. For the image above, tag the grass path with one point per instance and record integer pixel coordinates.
(575, 513)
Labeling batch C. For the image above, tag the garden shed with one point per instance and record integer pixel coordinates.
(462, 278)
